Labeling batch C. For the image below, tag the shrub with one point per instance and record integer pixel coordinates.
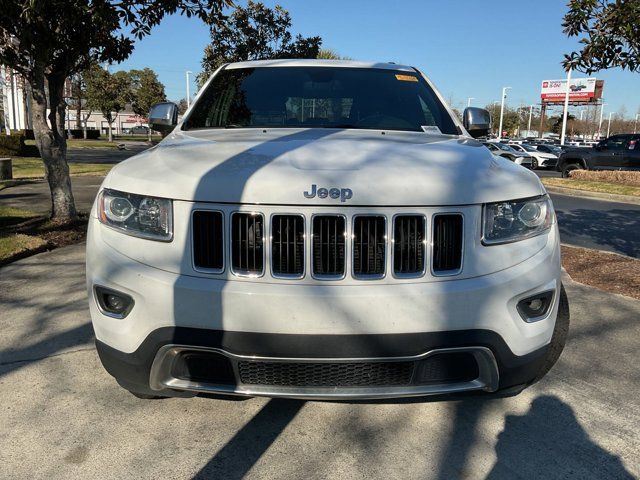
(92, 134)
(621, 177)
(11, 145)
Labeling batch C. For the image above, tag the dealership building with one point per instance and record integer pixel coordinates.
(16, 108)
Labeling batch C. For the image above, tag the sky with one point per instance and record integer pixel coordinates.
(468, 48)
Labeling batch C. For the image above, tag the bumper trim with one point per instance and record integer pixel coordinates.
(161, 378)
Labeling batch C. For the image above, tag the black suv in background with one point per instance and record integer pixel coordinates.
(618, 152)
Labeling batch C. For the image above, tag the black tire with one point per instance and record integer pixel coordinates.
(570, 167)
(559, 338)
(534, 164)
(145, 396)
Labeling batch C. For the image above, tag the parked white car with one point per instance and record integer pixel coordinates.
(328, 230)
(507, 151)
(540, 159)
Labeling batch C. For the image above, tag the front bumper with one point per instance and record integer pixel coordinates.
(150, 369)
(287, 323)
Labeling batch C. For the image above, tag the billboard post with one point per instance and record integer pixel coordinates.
(566, 107)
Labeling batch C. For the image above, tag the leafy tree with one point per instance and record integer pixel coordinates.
(146, 90)
(330, 54)
(182, 105)
(255, 32)
(510, 119)
(46, 41)
(108, 93)
(78, 98)
(609, 31)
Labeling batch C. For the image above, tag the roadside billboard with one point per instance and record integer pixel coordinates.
(580, 90)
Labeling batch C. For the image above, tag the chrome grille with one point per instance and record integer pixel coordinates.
(447, 243)
(329, 242)
(408, 244)
(369, 246)
(243, 239)
(287, 245)
(247, 243)
(208, 240)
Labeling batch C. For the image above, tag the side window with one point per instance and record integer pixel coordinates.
(616, 143)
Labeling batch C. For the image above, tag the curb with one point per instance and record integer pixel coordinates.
(611, 197)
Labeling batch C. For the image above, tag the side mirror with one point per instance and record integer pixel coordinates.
(477, 121)
(163, 117)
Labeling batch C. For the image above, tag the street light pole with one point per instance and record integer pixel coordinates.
(504, 95)
(600, 124)
(566, 108)
(187, 73)
(609, 126)
(635, 124)
(469, 101)
(530, 114)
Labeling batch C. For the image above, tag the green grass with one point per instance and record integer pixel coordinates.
(12, 216)
(74, 144)
(15, 244)
(32, 167)
(593, 186)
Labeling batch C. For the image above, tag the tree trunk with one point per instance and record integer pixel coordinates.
(52, 145)
(110, 132)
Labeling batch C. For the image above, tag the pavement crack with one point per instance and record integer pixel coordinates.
(37, 359)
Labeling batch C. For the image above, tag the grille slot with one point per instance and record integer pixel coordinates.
(409, 246)
(447, 243)
(208, 240)
(329, 241)
(369, 246)
(247, 243)
(326, 374)
(287, 245)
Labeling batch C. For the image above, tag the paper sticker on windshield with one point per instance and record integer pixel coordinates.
(431, 129)
(406, 78)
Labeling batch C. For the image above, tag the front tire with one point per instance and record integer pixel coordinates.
(145, 396)
(570, 167)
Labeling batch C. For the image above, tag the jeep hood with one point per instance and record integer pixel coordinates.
(277, 166)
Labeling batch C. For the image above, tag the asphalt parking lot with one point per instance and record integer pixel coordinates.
(63, 416)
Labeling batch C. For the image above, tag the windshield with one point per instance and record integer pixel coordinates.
(529, 148)
(504, 147)
(320, 97)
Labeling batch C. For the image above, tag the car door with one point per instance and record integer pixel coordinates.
(632, 153)
(610, 153)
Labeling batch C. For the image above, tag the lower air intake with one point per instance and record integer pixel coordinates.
(326, 374)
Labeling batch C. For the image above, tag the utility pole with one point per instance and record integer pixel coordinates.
(469, 101)
(600, 124)
(504, 96)
(635, 124)
(530, 115)
(187, 73)
(609, 126)
(566, 108)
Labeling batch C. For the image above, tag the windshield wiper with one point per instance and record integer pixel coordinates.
(234, 125)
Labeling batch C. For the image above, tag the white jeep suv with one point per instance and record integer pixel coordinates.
(328, 230)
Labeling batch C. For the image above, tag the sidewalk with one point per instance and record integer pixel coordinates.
(34, 195)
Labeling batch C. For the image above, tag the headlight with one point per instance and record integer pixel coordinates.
(137, 215)
(505, 222)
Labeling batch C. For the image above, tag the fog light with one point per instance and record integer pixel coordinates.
(113, 303)
(536, 306)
